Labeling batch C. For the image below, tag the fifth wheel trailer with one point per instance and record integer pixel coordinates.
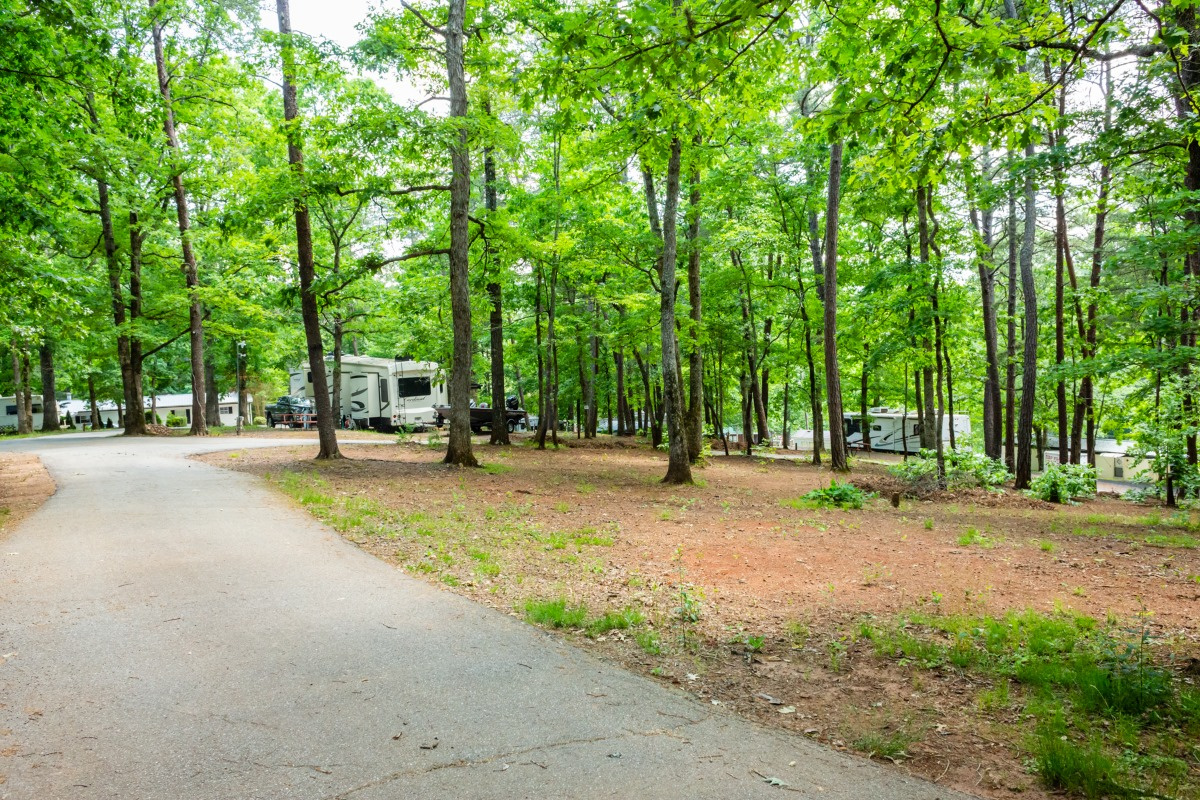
(386, 394)
(895, 430)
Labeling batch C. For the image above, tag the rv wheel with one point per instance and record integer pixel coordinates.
(512, 426)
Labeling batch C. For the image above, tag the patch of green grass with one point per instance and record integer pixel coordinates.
(1064, 765)
(584, 488)
(1046, 546)
(997, 698)
(1170, 540)
(929, 524)
(972, 537)
(562, 507)
(1094, 692)
(588, 537)
(555, 613)
(497, 469)
(649, 642)
(614, 620)
(885, 745)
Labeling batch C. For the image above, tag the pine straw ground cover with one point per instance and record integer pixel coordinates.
(995, 644)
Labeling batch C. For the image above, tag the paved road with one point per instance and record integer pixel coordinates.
(171, 630)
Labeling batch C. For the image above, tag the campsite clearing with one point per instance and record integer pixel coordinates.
(873, 629)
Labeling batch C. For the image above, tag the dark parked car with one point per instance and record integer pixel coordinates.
(285, 409)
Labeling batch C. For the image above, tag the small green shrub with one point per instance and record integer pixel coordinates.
(497, 469)
(838, 495)
(1064, 483)
(175, 421)
(260, 420)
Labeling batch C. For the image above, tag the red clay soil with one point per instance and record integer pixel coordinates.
(593, 524)
(24, 486)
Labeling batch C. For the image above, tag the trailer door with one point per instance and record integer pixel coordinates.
(359, 400)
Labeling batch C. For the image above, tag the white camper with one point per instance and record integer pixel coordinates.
(898, 431)
(8, 412)
(386, 394)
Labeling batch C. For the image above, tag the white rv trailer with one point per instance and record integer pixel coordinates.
(386, 394)
(895, 430)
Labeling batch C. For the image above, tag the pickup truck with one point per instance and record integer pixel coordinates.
(481, 418)
(285, 411)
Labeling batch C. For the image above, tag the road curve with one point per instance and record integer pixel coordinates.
(173, 631)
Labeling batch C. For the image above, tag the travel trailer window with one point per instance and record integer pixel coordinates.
(383, 391)
(877, 428)
(414, 387)
(10, 410)
(226, 409)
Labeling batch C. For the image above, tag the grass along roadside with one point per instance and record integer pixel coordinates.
(1109, 717)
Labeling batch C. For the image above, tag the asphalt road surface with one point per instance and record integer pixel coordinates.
(172, 630)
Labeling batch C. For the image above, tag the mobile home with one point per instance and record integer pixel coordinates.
(181, 406)
(386, 394)
(897, 430)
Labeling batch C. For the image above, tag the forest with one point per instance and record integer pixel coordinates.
(673, 218)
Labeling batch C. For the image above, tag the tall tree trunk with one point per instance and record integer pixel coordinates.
(51, 421)
(1029, 366)
(540, 434)
(833, 380)
(135, 415)
(190, 270)
(116, 295)
(1010, 358)
(212, 399)
(591, 421)
(326, 430)
(622, 401)
(97, 423)
(865, 404)
(695, 411)
(814, 383)
(747, 414)
(24, 423)
(335, 391)
(981, 219)
(935, 417)
(459, 449)
(27, 381)
(499, 432)
(679, 468)
(1087, 389)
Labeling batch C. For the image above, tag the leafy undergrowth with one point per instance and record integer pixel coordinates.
(1107, 719)
(836, 495)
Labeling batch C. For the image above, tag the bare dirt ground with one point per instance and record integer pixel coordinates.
(24, 486)
(753, 603)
